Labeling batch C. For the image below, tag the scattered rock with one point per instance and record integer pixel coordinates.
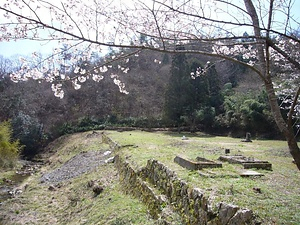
(110, 160)
(91, 183)
(97, 189)
(257, 189)
(106, 153)
(51, 188)
(8, 181)
(79, 164)
(15, 192)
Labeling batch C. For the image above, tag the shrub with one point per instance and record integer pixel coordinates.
(9, 149)
(248, 112)
(82, 124)
(30, 132)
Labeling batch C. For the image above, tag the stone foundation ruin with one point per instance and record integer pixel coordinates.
(160, 188)
(190, 203)
(247, 162)
(199, 164)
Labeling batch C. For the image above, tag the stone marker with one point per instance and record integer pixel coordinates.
(248, 138)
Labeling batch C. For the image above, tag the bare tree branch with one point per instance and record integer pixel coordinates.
(71, 18)
(284, 54)
(291, 111)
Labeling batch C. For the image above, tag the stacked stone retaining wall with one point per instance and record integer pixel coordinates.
(190, 203)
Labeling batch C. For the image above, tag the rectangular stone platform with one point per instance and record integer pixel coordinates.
(196, 165)
(247, 162)
(250, 173)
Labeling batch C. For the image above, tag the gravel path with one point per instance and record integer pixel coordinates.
(79, 164)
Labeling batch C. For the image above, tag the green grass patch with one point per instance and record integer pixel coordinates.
(73, 202)
(279, 196)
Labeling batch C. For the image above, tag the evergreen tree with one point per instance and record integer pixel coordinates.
(178, 94)
(199, 97)
(192, 101)
(208, 99)
(200, 87)
(214, 88)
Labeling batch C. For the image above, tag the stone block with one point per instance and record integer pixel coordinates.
(258, 165)
(250, 173)
(198, 165)
(247, 162)
(226, 212)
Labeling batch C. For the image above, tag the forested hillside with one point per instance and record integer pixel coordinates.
(165, 91)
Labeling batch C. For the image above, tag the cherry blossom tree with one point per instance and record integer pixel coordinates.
(208, 27)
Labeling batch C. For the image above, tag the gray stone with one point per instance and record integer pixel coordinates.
(198, 165)
(250, 173)
(242, 217)
(247, 162)
(97, 189)
(110, 160)
(226, 212)
(248, 138)
(196, 193)
(190, 203)
(106, 153)
(51, 188)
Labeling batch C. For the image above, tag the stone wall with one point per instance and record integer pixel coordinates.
(113, 145)
(158, 186)
(134, 185)
(191, 203)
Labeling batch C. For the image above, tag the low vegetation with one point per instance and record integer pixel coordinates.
(279, 193)
(9, 149)
(73, 202)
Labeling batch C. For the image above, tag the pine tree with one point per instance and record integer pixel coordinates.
(179, 89)
(214, 91)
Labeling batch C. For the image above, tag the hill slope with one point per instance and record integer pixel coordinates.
(62, 192)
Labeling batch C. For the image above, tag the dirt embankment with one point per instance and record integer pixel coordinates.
(79, 164)
(62, 191)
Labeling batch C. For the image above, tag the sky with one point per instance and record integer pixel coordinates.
(26, 47)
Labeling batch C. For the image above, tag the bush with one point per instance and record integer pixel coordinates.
(30, 132)
(81, 125)
(9, 150)
(248, 112)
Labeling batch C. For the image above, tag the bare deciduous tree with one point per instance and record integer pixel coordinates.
(216, 25)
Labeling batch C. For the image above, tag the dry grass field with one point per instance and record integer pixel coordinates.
(71, 201)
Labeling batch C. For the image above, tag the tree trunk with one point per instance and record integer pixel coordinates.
(294, 148)
(263, 58)
(282, 125)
